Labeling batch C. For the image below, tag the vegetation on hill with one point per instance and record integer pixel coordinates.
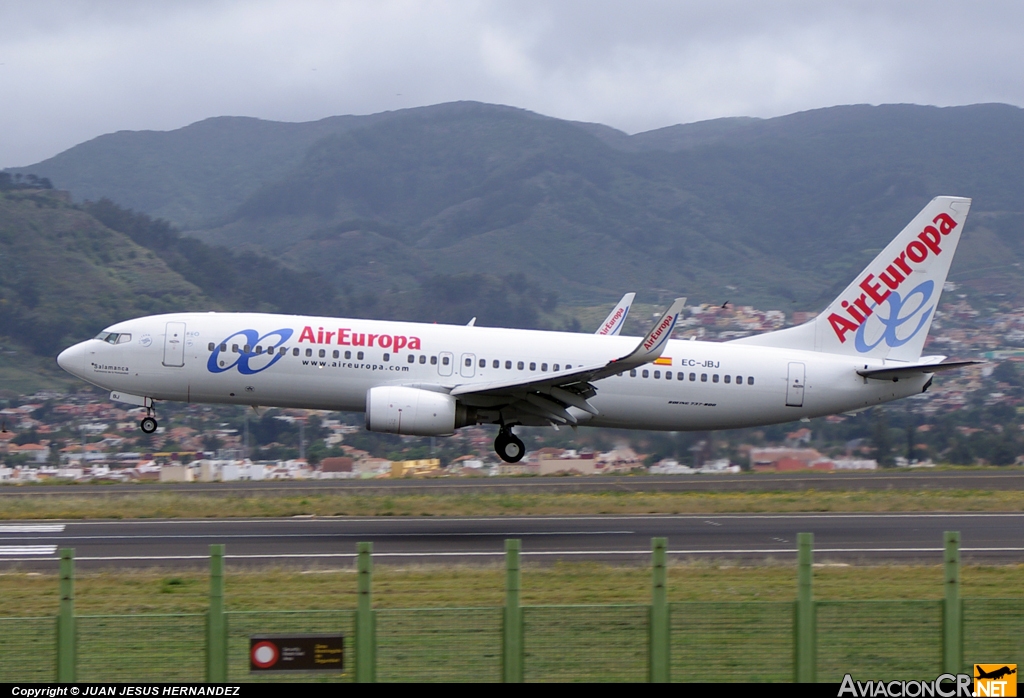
(775, 212)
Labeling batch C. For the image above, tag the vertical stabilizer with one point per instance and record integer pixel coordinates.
(885, 313)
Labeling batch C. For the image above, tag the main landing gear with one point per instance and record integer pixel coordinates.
(148, 423)
(510, 447)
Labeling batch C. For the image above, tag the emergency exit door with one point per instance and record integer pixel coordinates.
(795, 386)
(174, 344)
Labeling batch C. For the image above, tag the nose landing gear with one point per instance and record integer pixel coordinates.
(510, 448)
(148, 423)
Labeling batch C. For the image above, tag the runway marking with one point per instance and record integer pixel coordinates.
(27, 549)
(31, 528)
(500, 553)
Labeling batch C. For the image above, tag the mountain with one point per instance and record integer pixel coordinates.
(776, 212)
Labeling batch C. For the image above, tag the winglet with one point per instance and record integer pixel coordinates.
(612, 324)
(654, 342)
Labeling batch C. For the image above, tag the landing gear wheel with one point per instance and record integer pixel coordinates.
(148, 425)
(510, 448)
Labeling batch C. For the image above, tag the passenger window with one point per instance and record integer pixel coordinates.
(668, 375)
(210, 348)
(520, 365)
(270, 350)
(543, 367)
(444, 361)
(555, 367)
(646, 373)
(223, 347)
(508, 364)
(703, 378)
(568, 366)
(323, 353)
(423, 359)
(247, 349)
(750, 380)
(483, 363)
(387, 356)
(359, 356)
(412, 358)
(657, 374)
(693, 377)
(309, 352)
(336, 354)
(433, 361)
(632, 373)
(728, 378)
(348, 355)
(496, 364)
(714, 378)
(469, 362)
(259, 348)
(739, 380)
(533, 366)
(295, 351)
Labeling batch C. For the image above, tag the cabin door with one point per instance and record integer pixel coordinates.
(795, 386)
(174, 344)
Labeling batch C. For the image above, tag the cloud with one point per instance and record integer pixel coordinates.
(72, 71)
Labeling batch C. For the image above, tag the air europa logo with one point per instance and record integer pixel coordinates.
(346, 337)
(917, 250)
(613, 321)
(247, 359)
(663, 331)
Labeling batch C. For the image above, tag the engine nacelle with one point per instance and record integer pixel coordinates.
(395, 409)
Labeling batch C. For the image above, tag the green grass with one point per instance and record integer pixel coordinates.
(178, 505)
(122, 592)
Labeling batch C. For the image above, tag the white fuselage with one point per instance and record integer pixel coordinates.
(331, 363)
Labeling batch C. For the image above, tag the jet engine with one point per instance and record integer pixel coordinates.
(414, 412)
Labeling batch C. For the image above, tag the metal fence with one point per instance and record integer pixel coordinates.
(803, 640)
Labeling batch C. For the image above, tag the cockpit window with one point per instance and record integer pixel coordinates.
(114, 337)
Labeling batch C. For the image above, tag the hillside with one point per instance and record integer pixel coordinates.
(776, 212)
(69, 270)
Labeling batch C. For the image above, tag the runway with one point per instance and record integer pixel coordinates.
(308, 541)
(899, 479)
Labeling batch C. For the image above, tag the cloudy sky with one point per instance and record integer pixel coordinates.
(70, 71)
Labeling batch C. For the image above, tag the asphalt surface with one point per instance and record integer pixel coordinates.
(1002, 479)
(331, 542)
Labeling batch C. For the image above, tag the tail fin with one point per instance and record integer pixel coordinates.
(612, 324)
(885, 313)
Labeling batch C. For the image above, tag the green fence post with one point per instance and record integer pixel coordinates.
(366, 626)
(216, 621)
(806, 626)
(952, 617)
(66, 646)
(512, 620)
(659, 622)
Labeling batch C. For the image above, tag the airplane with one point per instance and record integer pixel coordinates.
(419, 379)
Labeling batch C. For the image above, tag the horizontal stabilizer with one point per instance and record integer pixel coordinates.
(897, 372)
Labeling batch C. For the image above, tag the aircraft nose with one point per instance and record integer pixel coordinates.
(72, 359)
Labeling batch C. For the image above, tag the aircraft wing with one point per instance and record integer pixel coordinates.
(896, 372)
(548, 395)
(612, 324)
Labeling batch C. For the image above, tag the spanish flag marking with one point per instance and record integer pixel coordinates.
(663, 361)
